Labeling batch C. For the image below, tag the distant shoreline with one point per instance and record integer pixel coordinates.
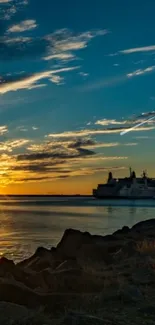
(44, 195)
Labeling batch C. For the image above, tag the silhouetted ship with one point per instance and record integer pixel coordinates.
(126, 188)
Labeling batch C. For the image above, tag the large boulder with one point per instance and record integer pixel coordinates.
(42, 259)
(73, 240)
(144, 226)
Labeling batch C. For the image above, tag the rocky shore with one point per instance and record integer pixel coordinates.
(85, 279)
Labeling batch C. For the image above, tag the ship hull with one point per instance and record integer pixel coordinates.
(124, 197)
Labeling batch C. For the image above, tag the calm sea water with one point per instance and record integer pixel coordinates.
(26, 223)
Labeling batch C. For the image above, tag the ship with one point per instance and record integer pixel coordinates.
(131, 187)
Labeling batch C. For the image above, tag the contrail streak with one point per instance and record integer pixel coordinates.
(137, 125)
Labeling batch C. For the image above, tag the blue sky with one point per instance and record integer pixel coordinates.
(73, 76)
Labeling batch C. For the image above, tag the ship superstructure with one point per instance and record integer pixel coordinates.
(128, 187)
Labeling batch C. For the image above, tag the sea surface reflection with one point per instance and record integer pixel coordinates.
(27, 223)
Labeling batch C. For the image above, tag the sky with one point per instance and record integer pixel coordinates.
(74, 76)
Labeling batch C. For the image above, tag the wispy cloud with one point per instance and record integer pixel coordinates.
(141, 71)
(138, 49)
(23, 26)
(28, 82)
(5, 1)
(3, 129)
(57, 79)
(10, 8)
(114, 81)
(63, 43)
(34, 128)
(142, 49)
(106, 122)
(130, 121)
(10, 145)
(83, 74)
(59, 56)
(88, 132)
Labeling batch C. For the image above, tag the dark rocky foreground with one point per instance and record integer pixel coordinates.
(86, 279)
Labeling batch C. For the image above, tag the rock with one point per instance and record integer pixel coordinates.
(42, 259)
(10, 271)
(143, 276)
(124, 231)
(38, 317)
(6, 266)
(74, 318)
(128, 250)
(12, 313)
(68, 264)
(17, 293)
(71, 281)
(93, 254)
(130, 293)
(72, 241)
(144, 226)
(147, 310)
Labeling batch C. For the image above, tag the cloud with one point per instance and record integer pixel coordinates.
(131, 144)
(130, 121)
(63, 43)
(106, 122)
(145, 115)
(57, 80)
(3, 129)
(66, 145)
(80, 152)
(59, 56)
(86, 171)
(138, 49)
(88, 132)
(114, 81)
(142, 49)
(141, 71)
(37, 86)
(5, 1)
(34, 128)
(83, 74)
(23, 26)
(60, 45)
(51, 160)
(20, 82)
(90, 143)
(20, 47)
(10, 7)
(10, 145)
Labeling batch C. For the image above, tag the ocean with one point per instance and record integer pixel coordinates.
(29, 222)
